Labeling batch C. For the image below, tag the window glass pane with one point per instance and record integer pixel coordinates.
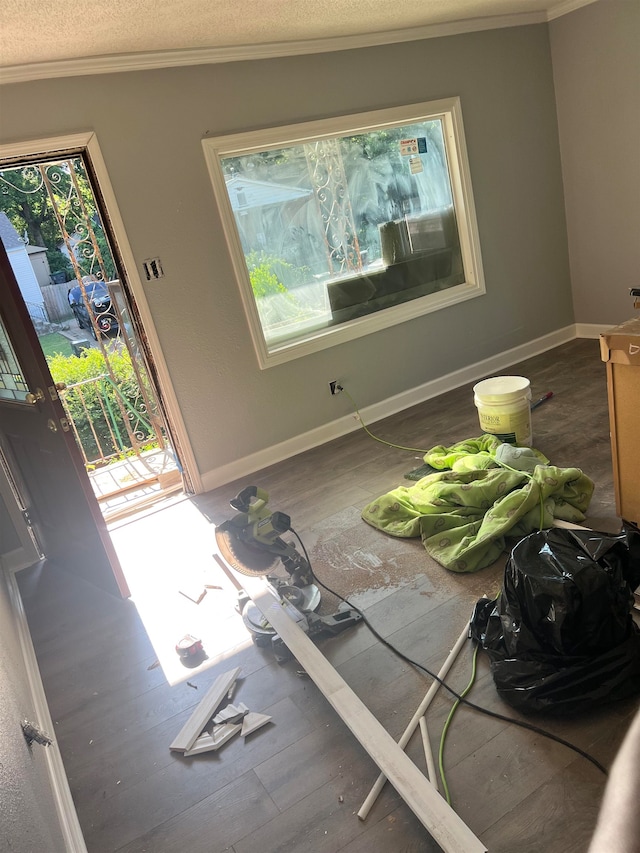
(12, 382)
(334, 229)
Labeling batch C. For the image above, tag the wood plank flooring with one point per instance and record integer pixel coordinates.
(295, 785)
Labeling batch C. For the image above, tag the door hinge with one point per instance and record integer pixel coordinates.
(27, 518)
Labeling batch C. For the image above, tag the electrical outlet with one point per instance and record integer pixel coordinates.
(335, 387)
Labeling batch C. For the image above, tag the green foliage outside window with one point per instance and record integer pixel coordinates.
(25, 200)
(264, 281)
(59, 263)
(278, 287)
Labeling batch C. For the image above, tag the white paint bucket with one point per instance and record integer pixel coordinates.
(504, 408)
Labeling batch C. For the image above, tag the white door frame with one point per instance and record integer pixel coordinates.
(65, 807)
(88, 142)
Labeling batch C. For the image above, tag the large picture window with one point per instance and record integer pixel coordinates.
(341, 227)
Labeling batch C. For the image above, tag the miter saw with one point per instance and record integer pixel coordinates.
(251, 543)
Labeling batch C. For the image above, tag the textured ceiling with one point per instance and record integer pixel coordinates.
(55, 30)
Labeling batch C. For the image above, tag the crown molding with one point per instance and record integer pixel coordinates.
(214, 55)
(565, 7)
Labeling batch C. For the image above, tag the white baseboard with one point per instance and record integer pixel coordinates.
(67, 815)
(349, 423)
(591, 330)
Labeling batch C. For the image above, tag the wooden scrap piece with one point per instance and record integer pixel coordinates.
(219, 736)
(428, 754)
(203, 744)
(231, 714)
(252, 722)
(204, 711)
(193, 591)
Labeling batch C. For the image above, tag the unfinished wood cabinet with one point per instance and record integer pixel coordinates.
(620, 349)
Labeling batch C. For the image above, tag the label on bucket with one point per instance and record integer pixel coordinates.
(511, 427)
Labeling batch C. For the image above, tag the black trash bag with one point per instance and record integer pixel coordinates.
(560, 635)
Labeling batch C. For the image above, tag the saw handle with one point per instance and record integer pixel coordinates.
(242, 501)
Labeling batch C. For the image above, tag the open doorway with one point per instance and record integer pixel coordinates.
(68, 262)
(47, 486)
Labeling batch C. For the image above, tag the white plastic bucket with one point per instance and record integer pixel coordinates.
(504, 408)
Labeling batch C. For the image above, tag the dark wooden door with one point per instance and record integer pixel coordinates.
(41, 452)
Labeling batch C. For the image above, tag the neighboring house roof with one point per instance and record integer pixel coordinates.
(246, 194)
(22, 268)
(33, 250)
(8, 234)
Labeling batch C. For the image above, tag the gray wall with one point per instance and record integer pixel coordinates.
(28, 818)
(596, 62)
(150, 126)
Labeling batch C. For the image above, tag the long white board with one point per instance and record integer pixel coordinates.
(431, 809)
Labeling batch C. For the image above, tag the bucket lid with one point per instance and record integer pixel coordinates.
(501, 387)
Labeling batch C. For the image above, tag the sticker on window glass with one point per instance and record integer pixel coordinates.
(408, 147)
(416, 145)
(415, 164)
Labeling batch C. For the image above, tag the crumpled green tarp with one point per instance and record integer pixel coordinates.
(464, 513)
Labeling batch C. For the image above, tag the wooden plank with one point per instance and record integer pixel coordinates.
(567, 525)
(428, 754)
(415, 720)
(204, 711)
(435, 814)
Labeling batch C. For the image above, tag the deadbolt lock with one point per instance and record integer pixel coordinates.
(53, 426)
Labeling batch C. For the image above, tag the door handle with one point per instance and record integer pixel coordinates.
(35, 397)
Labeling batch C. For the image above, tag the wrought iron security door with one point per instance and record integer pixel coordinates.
(86, 329)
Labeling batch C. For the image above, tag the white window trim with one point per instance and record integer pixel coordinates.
(449, 110)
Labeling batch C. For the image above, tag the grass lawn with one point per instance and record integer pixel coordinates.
(54, 344)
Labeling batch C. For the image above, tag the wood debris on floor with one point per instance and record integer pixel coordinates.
(194, 738)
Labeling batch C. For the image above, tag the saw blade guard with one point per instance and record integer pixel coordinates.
(251, 541)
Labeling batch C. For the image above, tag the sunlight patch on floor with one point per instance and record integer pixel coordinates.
(165, 553)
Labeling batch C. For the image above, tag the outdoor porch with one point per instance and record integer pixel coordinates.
(121, 484)
(126, 485)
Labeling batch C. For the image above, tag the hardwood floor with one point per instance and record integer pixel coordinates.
(297, 784)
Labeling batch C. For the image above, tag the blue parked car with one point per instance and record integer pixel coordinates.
(100, 301)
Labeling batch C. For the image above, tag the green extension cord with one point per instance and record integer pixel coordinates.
(375, 437)
(448, 723)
